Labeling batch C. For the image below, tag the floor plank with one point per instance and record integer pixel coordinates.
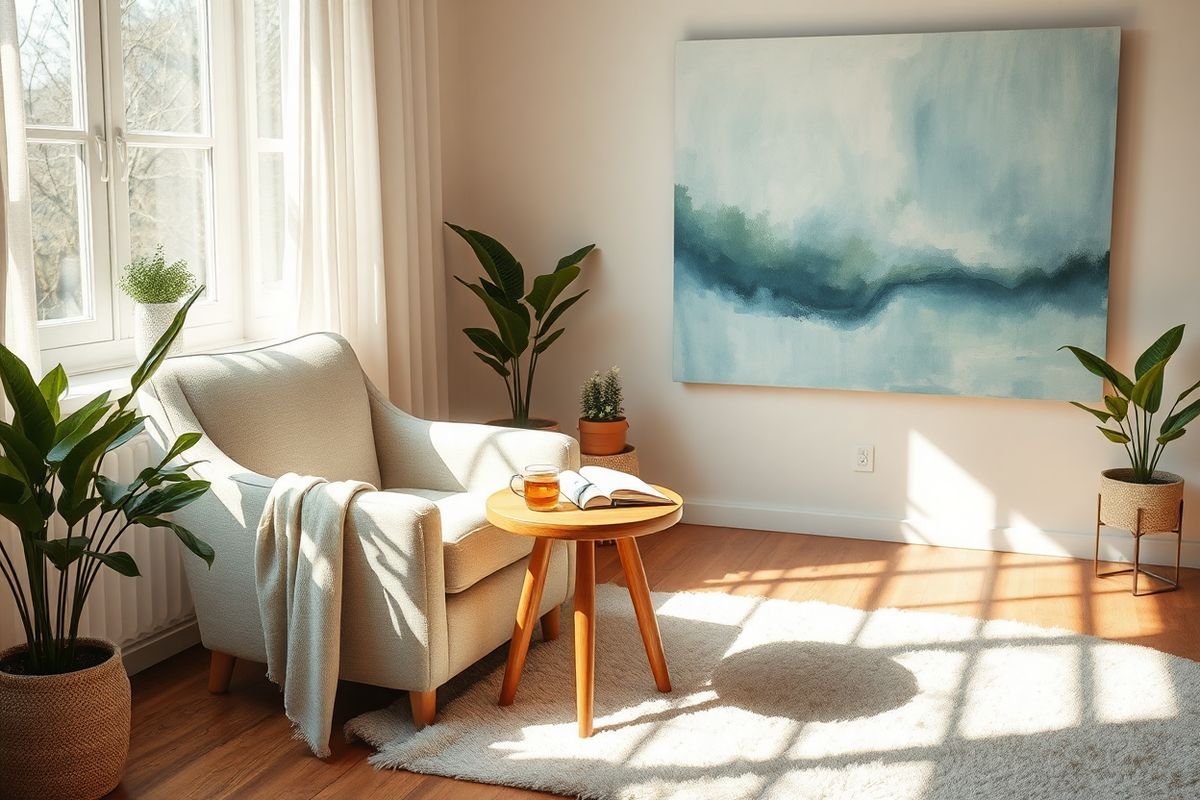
(188, 743)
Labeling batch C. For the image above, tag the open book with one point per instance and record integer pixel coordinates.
(598, 487)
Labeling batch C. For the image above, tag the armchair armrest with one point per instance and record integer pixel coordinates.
(459, 456)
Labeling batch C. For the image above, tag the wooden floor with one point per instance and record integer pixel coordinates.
(190, 744)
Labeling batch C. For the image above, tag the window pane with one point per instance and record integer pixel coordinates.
(270, 216)
(54, 171)
(168, 205)
(46, 30)
(268, 66)
(165, 65)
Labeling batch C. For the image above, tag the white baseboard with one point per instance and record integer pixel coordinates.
(1115, 545)
(160, 646)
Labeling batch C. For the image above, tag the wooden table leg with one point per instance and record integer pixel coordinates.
(527, 617)
(585, 634)
(639, 592)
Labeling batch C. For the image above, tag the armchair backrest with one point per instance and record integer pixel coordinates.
(299, 406)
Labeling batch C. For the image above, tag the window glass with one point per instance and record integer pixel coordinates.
(54, 171)
(46, 30)
(169, 205)
(268, 67)
(270, 216)
(165, 65)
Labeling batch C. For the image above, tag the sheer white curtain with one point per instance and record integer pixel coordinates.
(16, 237)
(362, 241)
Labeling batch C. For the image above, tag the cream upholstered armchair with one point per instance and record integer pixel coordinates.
(429, 586)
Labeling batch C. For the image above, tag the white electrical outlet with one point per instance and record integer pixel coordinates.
(864, 458)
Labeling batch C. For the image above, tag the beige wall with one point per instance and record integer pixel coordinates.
(557, 130)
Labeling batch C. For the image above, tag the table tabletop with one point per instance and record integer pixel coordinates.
(507, 511)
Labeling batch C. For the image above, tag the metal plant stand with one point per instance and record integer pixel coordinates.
(1136, 569)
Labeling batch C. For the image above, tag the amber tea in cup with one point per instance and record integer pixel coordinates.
(539, 487)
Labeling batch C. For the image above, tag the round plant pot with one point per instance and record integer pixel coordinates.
(533, 424)
(64, 735)
(150, 322)
(602, 438)
(1159, 501)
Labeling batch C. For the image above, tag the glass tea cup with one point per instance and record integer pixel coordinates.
(539, 486)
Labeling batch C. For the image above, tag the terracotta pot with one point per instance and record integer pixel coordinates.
(1159, 501)
(64, 735)
(602, 438)
(533, 424)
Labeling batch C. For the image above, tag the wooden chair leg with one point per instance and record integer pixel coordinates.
(424, 707)
(220, 672)
(551, 624)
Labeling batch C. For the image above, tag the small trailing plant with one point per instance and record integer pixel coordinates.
(1134, 401)
(524, 319)
(52, 466)
(600, 399)
(150, 279)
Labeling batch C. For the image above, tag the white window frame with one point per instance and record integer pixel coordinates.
(105, 340)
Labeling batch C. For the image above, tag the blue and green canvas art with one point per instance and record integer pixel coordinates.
(905, 213)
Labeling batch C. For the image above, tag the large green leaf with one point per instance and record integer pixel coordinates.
(12, 489)
(513, 328)
(1161, 350)
(1147, 392)
(22, 454)
(544, 344)
(1168, 437)
(1183, 395)
(559, 309)
(488, 342)
(1180, 419)
(62, 552)
(25, 514)
(31, 415)
(1103, 416)
(547, 288)
(53, 385)
(574, 258)
(500, 265)
(79, 465)
(189, 539)
(1098, 366)
(164, 499)
(80, 418)
(118, 561)
(114, 493)
(158, 352)
(1113, 436)
(500, 369)
(82, 428)
(1119, 406)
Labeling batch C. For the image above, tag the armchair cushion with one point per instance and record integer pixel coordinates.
(472, 549)
(300, 406)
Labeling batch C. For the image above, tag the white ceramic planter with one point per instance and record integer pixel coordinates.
(1159, 501)
(150, 322)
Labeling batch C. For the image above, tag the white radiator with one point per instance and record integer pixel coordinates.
(128, 611)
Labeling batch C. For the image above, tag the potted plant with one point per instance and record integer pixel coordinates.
(524, 319)
(64, 699)
(602, 423)
(1131, 407)
(157, 289)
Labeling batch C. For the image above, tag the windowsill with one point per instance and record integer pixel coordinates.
(88, 384)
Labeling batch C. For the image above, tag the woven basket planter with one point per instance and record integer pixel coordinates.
(64, 735)
(1159, 501)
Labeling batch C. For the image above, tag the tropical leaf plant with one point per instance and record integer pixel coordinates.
(1133, 403)
(524, 318)
(53, 465)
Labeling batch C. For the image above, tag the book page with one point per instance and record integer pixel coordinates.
(616, 485)
(577, 489)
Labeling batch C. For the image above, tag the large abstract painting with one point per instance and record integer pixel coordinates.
(905, 213)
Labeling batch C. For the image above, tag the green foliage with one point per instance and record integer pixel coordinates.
(1135, 401)
(524, 320)
(150, 279)
(600, 400)
(55, 466)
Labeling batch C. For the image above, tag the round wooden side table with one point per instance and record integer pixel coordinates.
(624, 524)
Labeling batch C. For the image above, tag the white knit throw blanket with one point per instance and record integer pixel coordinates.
(298, 566)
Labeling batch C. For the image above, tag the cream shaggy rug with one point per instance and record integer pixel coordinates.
(779, 699)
